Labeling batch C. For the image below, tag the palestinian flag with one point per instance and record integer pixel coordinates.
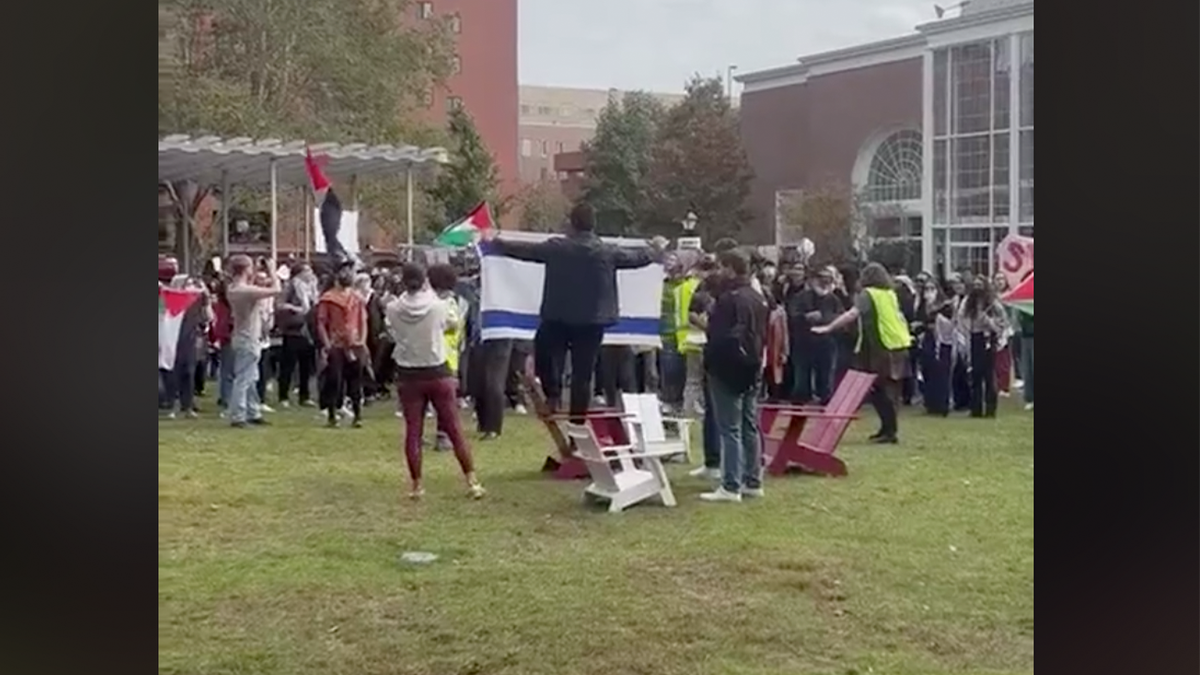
(466, 231)
(328, 205)
(1021, 297)
(172, 303)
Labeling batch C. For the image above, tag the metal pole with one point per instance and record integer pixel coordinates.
(224, 213)
(308, 225)
(408, 199)
(274, 210)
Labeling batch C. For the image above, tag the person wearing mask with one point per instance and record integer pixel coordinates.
(249, 303)
(579, 301)
(906, 293)
(298, 354)
(342, 330)
(419, 321)
(845, 288)
(960, 372)
(934, 326)
(1004, 345)
(734, 350)
(985, 321)
(883, 345)
(815, 305)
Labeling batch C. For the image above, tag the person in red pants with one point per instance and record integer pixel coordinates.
(418, 321)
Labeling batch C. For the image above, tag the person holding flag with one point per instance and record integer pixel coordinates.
(329, 207)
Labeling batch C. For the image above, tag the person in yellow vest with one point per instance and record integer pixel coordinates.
(691, 309)
(883, 344)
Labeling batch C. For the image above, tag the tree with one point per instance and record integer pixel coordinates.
(617, 162)
(544, 207)
(698, 165)
(470, 178)
(829, 214)
(328, 70)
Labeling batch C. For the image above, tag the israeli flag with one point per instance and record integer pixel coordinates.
(511, 299)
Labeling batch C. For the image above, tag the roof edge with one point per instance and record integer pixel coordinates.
(868, 49)
(982, 18)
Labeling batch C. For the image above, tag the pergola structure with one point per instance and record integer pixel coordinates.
(211, 160)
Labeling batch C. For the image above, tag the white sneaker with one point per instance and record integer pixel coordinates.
(265, 408)
(754, 493)
(170, 415)
(1029, 406)
(520, 409)
(400, 414)
(1018, 384)
(721, 495)
(705, 472)
(285, 405)
(1004, 394)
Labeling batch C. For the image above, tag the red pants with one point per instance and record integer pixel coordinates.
(442, 394)
(1004, 366)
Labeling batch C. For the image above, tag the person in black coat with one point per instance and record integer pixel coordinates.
(579, 301)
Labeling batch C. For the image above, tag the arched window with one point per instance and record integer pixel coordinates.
(895, 173)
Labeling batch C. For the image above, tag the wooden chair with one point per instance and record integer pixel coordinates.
(607, 425)
(623, 475)
(646, 424)
(808, 436)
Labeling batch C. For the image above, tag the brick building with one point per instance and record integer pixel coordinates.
(958, 90)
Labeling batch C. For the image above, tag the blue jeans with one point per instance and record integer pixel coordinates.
(225, 376)
(243, 396)
(708, 432)
(737, 426)
(673, 373)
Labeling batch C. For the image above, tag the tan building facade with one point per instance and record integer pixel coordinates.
(556, 120)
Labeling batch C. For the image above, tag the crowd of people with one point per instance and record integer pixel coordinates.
(736, 329)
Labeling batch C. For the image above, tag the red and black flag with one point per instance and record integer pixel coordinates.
(328, 205)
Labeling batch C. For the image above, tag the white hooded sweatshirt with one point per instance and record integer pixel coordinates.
(418, 323)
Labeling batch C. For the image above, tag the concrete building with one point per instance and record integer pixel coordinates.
(958, 92)
(556, 120)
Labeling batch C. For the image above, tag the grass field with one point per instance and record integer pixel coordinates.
(279, 548)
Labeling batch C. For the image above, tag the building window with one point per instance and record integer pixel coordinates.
(545, 148)
(895, 173)
(545, 110)
(455, 23)
(454, 103)
(972, 128)
(526, 147)
(566, 111)
(1025, 149)
(525, 109)
(559, 147)
(424, 10)
(456, 64)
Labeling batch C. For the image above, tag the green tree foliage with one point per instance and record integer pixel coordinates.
(544, 207)
(470, 178)
(698, 164)
(328, 70)
(617, 161)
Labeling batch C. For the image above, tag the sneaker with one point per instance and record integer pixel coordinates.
(520, 409)
(489, 436)
(399, 414)
(1029, 406)
(752, 493)
(721, 495)
(332, 422)
(192, 414)
(428, 414)
(307, 404)
(284, 405)
(266, 408)
(416, 494)
(443, 444)
(224, 414)
(1018, 384)
(463, 404)
(357, 423)
(705, 472)
(170, 415)
(476, 491)
(1004, 394)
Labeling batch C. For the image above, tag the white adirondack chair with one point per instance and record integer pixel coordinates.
(647, 426)
(616, 476)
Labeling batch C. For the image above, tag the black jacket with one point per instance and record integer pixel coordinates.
(580, 286)
(737, 335)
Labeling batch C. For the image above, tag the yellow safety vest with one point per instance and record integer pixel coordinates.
(683, 327)
(893, 329)
(453, 336)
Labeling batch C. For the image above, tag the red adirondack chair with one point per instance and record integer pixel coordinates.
(607, 425)
(807, 436)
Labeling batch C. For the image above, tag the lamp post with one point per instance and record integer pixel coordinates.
(689, 240)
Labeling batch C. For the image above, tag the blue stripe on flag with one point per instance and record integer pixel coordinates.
(495, 318)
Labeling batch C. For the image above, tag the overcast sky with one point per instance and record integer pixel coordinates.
(656, 45)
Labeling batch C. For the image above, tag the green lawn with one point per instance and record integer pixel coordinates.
(279, 547)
